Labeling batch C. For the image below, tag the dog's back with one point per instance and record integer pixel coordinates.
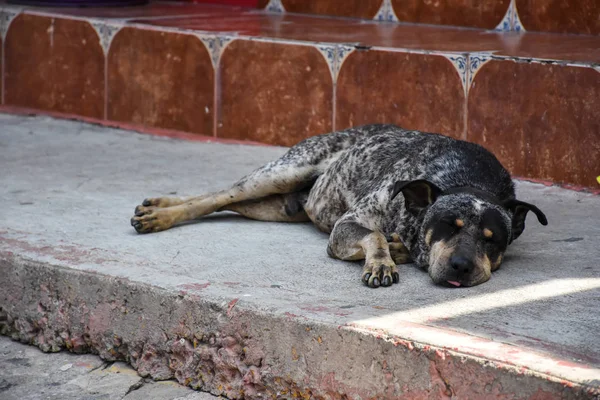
(380, 155)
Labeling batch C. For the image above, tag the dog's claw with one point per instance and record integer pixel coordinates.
(146, 202)
(136, 224)
(380, 272)
(365, 278)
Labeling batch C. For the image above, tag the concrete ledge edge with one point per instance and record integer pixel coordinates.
(228, 349)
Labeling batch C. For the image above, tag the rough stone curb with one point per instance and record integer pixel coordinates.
(240, 352)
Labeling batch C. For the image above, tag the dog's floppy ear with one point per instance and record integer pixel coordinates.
(418, 194)
(519, 210)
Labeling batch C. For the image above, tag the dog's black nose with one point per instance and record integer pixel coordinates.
(462, 265)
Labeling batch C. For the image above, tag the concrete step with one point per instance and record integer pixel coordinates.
(252, 310)
(247, 74)
(505, 15)
(28, 373)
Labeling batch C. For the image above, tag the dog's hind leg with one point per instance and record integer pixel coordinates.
(294, 172)
(274, 178)
(276, 208)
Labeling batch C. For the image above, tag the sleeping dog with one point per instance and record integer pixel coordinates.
(385, 195)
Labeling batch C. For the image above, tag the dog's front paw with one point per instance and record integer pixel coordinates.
(380, 272)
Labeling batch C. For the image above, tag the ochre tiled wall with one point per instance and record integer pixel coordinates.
(416, 91)
(347, 8)
(531, 99)
(545, 124)
(478, 14)
(273, 92)
(161, 79)
(54, 64)
(561, 16)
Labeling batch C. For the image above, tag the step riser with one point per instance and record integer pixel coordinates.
(237, 352)
(540, 118)
(558, 16)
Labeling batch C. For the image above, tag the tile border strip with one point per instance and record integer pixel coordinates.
(517, 25)
(106, 31)
(476, 61)
(386, 12)
(460, 63)
(506, 23)
(275, 6)
(6, 18)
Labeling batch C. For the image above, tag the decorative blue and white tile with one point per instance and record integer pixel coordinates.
(386, 12)
(476, 61)
(335, 56)
(507, 21)
(221, 43)
(6, 17)
(342, 52)
(215, 45)
(275, 6)
(517, 25)
(329, 52)
(106, 32)
(210, 42)
(460, 62)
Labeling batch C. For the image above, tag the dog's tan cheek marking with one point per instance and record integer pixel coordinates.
(460, 223)
(496, 265)
(485, 266)
(487, 233)
(440, 254)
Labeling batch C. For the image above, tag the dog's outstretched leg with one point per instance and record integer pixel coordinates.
(294, 172)
(350, 240)
(274, 178)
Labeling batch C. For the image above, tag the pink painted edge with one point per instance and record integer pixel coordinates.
(138, 128)
(181, 135)
(505, 356)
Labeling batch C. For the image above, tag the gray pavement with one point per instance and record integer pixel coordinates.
(69, 189)
(26, 373)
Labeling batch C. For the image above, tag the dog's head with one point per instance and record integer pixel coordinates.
(464, 232)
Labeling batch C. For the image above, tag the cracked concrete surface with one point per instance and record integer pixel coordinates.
(251, 309)
(28, 373)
